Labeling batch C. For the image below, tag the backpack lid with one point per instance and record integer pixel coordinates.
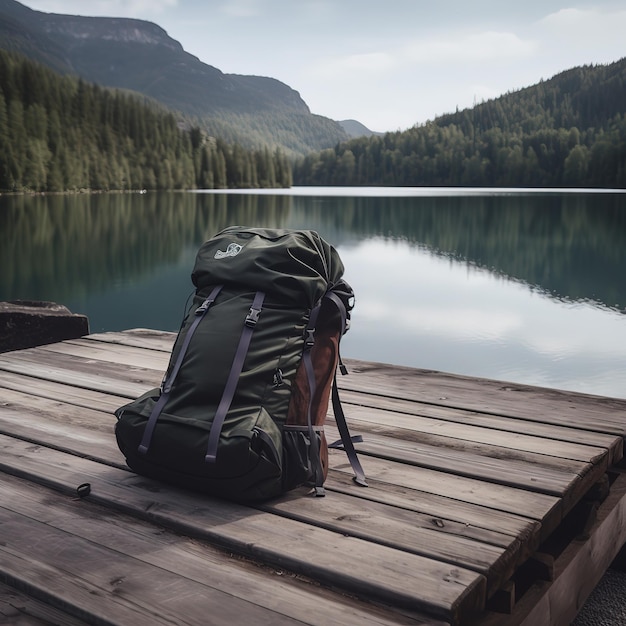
(297, 265)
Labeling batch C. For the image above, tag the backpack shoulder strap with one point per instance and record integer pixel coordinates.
(233, 377)
(168, 381)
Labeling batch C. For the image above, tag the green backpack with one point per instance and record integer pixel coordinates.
(241, 409)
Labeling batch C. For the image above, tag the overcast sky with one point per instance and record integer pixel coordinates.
(389, 64)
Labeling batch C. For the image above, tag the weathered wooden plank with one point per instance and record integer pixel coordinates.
(95, 375)
(440, 508)
(535, 506)
(430, 386)
(53, 424)
(536, 472)
(33, 418)
(45, 428)
(105, 586)
(469, 490)
(504, 471)
(51, 415)
(493, 555)
(503, 439)
(108, 377)
(414, 429)
(64, 392)
(151, 547)
(19, 609)
(123, 356)
(150, 339)
(479, 394)
(442, 461)
(392, 407)
(578, 570)
(447, 443)
(447, 592)
(492, 493)
(568, 489)
(454, 446)
(568, 432)
(487, 551)
(450, 390)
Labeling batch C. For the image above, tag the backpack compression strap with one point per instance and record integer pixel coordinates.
(233, 377)
(346, 439)
(314, 449)
(340, 418)
(168, 382)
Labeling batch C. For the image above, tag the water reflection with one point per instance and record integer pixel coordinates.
(521, 287)
(449, 316)
(66, 246)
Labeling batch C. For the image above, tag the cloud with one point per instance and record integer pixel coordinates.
(480, 47)
(589, 35)
(240, 8)
(340, 67)
(471, 47)
(583, 19)
(140, 9)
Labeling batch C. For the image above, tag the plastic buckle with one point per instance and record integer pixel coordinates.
(309, 340)
(203, 307)
(253, 318)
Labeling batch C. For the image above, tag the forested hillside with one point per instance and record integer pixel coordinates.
(569, 131)
(60, 133)
(253, 111)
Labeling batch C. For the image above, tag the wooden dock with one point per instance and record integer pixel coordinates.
(489, 503)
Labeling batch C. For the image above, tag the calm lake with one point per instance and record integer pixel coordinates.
(525, 287)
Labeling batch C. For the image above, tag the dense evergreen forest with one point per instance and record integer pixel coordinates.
(569, 131)
(59, 133)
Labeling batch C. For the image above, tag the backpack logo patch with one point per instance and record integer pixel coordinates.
(233, 249)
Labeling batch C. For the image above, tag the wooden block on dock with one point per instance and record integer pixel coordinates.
(27, 323)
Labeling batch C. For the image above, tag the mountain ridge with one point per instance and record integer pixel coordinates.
(140, 56)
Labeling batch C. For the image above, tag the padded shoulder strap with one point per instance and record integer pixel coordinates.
(233, 377)
(168, 381)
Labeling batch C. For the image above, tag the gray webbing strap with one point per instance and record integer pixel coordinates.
(341, 307)
(233, 377)
(340, 417)
(314, 449)
(168, 382)
(346, 439)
